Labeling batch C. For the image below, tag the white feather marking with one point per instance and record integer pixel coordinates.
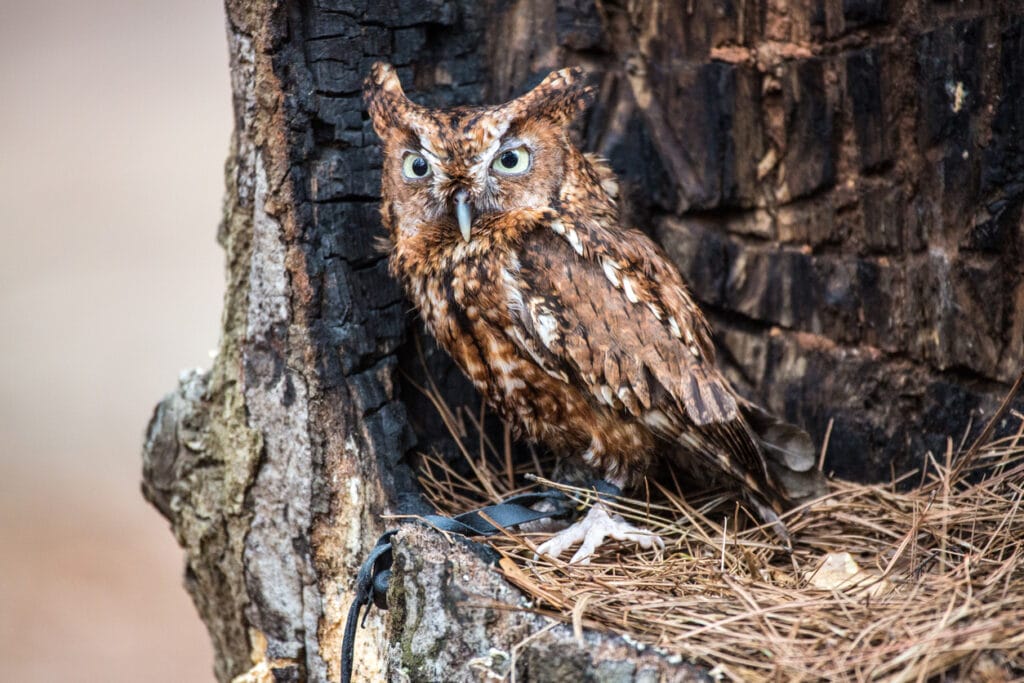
(493, 130)
(688, 440)
(674, 326)
(557, 226)
(694, 350)
(658, 421)
(547, 328)
(482, 167)
(513, 332)
(654, 310)
(427, 149)
(627, 287)
(611, 271)
(513, 296)
(505, 367)
(607, 394)
(512, 384)
(610, 186)
(574, 240)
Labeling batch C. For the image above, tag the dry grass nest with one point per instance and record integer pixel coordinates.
(883, 583)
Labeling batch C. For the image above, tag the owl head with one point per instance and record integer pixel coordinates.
(448, 168)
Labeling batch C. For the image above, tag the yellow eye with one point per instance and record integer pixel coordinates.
(512, 161)
(415, 167)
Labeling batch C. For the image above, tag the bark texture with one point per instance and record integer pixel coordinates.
(451, 621)
(841, 181)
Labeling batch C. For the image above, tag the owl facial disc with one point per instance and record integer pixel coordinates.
(464, 213)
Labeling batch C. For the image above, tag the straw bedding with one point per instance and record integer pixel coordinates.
(884, 582)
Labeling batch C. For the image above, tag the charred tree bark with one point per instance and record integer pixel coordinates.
(841, 181)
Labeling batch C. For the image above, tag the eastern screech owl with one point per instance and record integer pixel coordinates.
(578, 330)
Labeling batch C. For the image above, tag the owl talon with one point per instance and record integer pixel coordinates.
(591, 531)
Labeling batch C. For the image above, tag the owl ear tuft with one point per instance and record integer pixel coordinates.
(386, 101)
(560, 97)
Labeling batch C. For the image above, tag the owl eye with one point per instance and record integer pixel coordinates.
(512, 161)
(415, 167)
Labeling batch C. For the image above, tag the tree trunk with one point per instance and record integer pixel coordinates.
(841, 182)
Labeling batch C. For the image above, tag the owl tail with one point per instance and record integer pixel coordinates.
(789, 452)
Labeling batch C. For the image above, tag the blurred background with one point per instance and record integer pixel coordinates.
(115, 117)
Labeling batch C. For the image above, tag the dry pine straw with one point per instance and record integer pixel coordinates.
(882, 584)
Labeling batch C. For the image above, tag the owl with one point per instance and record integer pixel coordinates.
(577, 330)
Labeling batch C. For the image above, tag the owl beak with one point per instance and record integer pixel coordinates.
(464, 213)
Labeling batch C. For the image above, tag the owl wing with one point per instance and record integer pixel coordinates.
(610, 313)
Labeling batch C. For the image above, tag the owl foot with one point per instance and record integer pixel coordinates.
(592, 530)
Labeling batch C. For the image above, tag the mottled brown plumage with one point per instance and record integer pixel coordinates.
(577, 330)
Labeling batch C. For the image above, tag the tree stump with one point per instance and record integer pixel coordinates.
(841, 182)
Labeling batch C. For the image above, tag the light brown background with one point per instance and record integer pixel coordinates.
(114, 125)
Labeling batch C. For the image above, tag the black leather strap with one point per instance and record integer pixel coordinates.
(375, 573)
